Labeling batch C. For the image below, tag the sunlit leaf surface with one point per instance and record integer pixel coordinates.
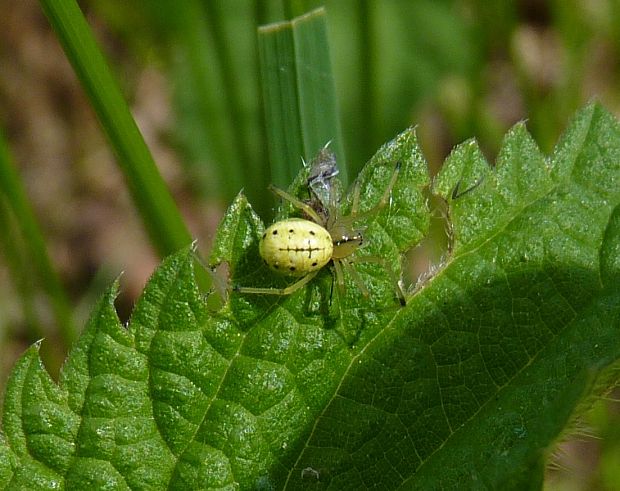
(465, 387)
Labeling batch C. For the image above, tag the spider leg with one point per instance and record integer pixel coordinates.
(455, 192)
(306, 208)
(277, 291)
(384, 264)
(448, 225)
(385, 199)
(331, 290)
(218, 284)
(356, 197)
(339, 276)
(356, 277)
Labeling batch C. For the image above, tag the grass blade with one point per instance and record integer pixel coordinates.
(159, 212)
(13, 190)
(13, 255)
(299, 94)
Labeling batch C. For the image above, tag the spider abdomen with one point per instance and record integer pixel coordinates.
(296, 247)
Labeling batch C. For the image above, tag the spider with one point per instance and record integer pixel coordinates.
(301, 247)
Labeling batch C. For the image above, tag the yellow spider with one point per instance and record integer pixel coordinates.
(301, 247)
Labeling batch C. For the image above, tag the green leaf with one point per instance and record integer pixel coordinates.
(467, 386)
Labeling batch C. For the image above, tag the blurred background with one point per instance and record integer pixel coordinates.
(189, 69)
